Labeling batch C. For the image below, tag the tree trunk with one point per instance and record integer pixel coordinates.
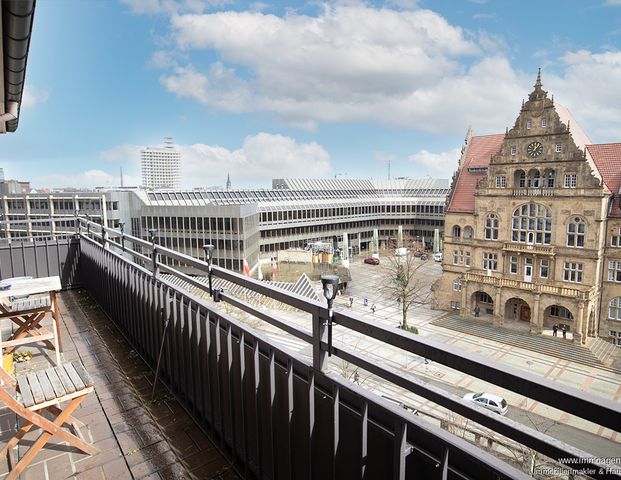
(404, 311)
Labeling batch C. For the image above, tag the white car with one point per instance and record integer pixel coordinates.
(488, 400)
(437, 257)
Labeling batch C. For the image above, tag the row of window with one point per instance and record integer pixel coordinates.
(572, 271)
(348, 211)
(532, 224)
(536, 179)
(220, 224)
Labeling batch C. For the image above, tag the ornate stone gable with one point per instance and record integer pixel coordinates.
(541, 141)
(539, 135)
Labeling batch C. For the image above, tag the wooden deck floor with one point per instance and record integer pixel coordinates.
(137, 438)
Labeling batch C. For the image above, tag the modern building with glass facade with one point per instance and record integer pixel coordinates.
(250, 224)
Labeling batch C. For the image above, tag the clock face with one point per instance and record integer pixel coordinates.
(534, 149)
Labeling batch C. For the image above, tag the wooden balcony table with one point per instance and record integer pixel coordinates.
(26, 302)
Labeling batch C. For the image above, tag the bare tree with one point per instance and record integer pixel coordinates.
(530, 460)
(405, 283)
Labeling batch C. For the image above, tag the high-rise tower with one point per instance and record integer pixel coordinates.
(161, 166)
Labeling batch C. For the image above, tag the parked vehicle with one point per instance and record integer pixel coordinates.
(488, 400)
(418, 253)
(437, 257)
(423, 256)
(372, 261)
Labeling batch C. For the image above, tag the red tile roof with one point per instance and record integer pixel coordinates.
(607, 159)
(477, 154)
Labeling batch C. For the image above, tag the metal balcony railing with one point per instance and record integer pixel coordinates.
(273, 413)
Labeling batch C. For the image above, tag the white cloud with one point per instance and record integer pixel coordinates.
(440, 165)
(356, 63)
(33, 96)
(613, 2)
(170, 6)
(349, 63)
(259, 159)
(587, 88)
(129, 154)
(262, 157)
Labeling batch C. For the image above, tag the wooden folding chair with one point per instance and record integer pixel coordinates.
(33, 394)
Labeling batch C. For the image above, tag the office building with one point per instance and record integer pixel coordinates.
(249, 224)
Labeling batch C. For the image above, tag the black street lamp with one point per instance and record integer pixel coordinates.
(330, 285)
(209, 248)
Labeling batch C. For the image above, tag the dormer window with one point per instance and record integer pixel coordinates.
(513, 150)
(529, 124)
(558, 148)
(544, 123)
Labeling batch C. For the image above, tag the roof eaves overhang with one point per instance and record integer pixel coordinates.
(16, 18)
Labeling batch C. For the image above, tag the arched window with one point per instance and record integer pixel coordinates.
(519, 180)
(491, 227)
(549, 178)
(532, 223)
(575, 232)
(534, 179)
(456, 231)
(468, 233)
(614, 310)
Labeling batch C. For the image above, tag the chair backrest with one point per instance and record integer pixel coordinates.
(6, 379)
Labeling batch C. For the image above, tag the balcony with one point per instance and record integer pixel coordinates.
(532, 287)
(271, 413)
(531, 249)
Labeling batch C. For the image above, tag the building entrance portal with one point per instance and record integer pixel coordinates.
(517, 310)
(484, 303)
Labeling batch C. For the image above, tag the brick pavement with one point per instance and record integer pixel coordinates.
(137, 438)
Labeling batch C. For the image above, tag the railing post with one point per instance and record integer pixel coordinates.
(320, 333)
(156, 270)
(77, 222)
(122, 225)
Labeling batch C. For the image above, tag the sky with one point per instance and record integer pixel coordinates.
(261, 90)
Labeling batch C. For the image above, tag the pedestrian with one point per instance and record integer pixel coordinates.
(554, 330)
(373, 308)
(351, 301)
(477, 311)
(564, 330)
(399, 301)
(366, 302)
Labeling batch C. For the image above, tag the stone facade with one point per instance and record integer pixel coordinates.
(528, 232)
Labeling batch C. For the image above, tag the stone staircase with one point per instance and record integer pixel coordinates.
(608, 353)
(553, 346)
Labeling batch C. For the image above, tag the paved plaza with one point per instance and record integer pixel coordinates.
(366, 282)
